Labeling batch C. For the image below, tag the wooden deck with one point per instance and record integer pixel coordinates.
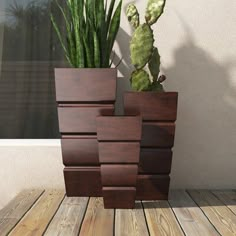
(49, 212)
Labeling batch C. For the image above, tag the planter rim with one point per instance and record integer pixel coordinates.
(88, 69)
(152, 92)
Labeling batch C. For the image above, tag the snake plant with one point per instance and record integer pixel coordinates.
(91, 30)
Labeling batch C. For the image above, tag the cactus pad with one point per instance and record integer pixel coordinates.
(157, 86)
(154, 64)
(141, 46)
(140, 80)
(133, 15)
(154, 10)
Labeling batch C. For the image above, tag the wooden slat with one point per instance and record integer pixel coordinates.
(228, 198)
(37, 219)
(68, 218)
(161, 219)
(15, 210)
(221, 216)
(131, 222)
(189, 215)
(97, 220)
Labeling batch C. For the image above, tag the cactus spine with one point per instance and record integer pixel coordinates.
(144, 55)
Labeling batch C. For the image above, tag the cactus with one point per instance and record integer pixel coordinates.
(144, 55)
(91, 28)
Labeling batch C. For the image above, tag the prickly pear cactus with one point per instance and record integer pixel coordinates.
(154, 64)
(133, 15)
(143, 52)
(140, 80)
(154, 10)
(141, 46)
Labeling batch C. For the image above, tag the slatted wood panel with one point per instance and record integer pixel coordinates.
(68, 218)
(97, 220)
(160, 219)
(36, 220)
(15, 210)
(186, 213)
(228, 198)
(131, 222)
(220, 215)
(189, 215)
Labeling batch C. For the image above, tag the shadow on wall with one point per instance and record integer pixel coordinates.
(205, 138)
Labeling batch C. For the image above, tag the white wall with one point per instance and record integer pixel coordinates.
(197, 42)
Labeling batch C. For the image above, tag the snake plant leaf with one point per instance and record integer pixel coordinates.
(154, 64)
(113, 30)
(140, 80)
(141, 46)
(109, 14)
(132, 15)
(96, 51)
(154, 10)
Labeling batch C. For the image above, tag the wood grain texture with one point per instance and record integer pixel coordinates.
(160, 219)
(83, 181)
(228, 197)
(80, 151)
(119, 128)
(119, 197)
(119, 175)
(189, 215)
(155, 161)
(152, 106)
(69, 217)
(85, 85)
(155, 135)
(11, 214)
(119, 152)
(37, 219)
(97, 220)
(80, 119)
(217, 213)
(131, 222)
(152, 187)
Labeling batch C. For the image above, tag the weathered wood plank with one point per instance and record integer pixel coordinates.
(221, 216)
(68, 218)
(161, 219)
(36, 220)
(228, 197)
(131, 222)
(16, 209)
(97, 220)
(189, 215)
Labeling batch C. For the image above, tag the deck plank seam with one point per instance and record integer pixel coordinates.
(53, 215)
(145, 217)
(204, 214)
(33, 204)
(82, 221)
(212, 191)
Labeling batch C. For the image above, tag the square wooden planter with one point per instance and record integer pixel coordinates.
(158, 111)
(119, 151)
(82, 95)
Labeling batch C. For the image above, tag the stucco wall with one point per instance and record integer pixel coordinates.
(197, 42)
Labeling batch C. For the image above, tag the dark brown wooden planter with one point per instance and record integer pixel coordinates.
(82, 95)
(119, 151)
(158, 111)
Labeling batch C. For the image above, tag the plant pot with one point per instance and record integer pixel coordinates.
(119, 150)
(82, 95)
(158, 111)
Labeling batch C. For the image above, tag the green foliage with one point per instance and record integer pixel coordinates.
(140, 80)
(91, 29)
(143, 52)
(141, 46)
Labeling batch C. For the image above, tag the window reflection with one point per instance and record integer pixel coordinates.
(29, 50)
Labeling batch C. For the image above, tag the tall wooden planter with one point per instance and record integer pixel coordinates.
(158, 111)
(119, 150)
(81, 94)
